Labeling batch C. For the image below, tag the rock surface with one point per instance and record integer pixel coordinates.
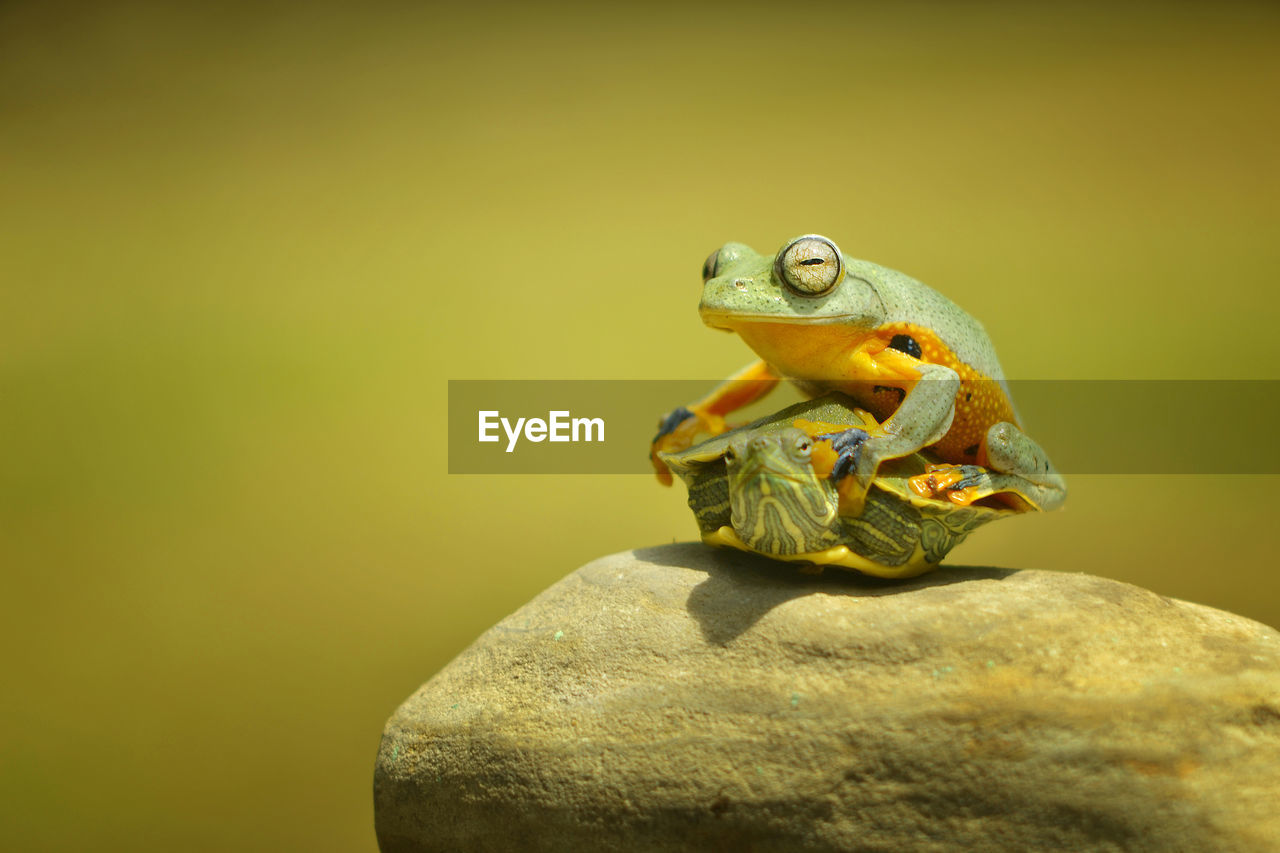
(680, 698)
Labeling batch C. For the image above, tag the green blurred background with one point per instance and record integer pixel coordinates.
(241, 252)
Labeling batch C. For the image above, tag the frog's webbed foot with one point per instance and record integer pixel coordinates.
(669, 423)
(678, 431)
(848, 445)
(959, 484)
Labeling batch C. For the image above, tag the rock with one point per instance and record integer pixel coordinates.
(680, 698)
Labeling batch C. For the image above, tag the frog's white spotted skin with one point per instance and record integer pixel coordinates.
(905, 352)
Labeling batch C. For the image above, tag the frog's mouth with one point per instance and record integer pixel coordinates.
(730, 322)
(816, 351)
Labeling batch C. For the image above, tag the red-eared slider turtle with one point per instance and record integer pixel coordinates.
(766, 488)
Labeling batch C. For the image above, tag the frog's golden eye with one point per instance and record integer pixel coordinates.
(709, 265)
(809, 265)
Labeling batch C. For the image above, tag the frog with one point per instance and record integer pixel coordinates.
(915, 360)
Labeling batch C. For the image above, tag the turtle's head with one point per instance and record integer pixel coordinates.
(780, 455)
(779, 506)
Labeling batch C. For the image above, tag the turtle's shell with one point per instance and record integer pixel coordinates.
(783, 510)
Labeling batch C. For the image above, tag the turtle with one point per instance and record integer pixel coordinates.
(765, 488)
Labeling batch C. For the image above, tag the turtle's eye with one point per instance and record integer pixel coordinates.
(800, 448)
(709, 265)
(809, 266)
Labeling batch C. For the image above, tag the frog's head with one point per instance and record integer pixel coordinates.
(805, 282)
(779, 505)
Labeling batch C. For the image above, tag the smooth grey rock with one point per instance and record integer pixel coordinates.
(681, 698)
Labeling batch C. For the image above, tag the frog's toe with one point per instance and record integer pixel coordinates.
(660, 470)
(679, 431)
(971, 477)
(675, 433)
(848, 447)
(671, 422)
(958, 484)
(964, 496)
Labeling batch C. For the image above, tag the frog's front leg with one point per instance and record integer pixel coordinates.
(922, 418)
(678, 429)
(1015, 465)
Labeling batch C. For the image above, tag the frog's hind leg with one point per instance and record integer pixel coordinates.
(1027, 470)
(1015, 465)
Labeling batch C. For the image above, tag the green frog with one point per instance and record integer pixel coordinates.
(907, 354)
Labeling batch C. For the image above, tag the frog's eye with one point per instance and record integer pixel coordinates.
(810, 265)
(709, 265)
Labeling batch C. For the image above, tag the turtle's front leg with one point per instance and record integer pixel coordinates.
(678, 430)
